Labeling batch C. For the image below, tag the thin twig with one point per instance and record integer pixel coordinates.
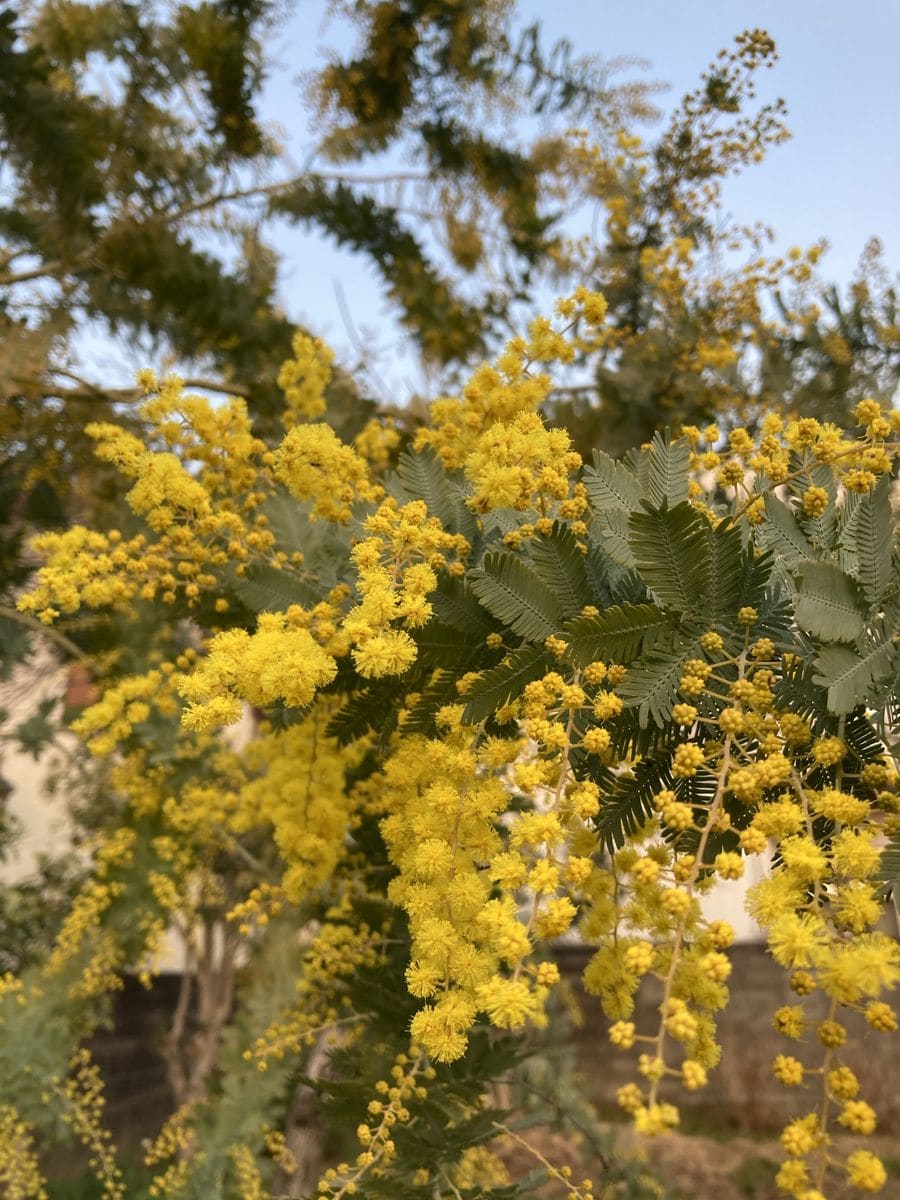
(13, 614)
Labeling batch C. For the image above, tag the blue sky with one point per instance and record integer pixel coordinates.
(839, 176)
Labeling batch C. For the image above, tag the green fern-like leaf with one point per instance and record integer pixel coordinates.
(455, 604)
(618, 633)
(560, 564)
(514, 593)
(827, 604)
(289, 521)
(651, 684)
(369, 709)
(848, 519)
(440, 690)
(632, 740)
(889, 871)
(783, 534)
(873, 540)
(668, 464)
(729, 564)
(504, 682)
(609, 581)
(672, 553)
(850, 675)
(443, 646)
(610, 484)
(610, 531)
(424, 477)
(270, 589)
(325, 547)
(862, 738)
(796, 692)
(630, 803)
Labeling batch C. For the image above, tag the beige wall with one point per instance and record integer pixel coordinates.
(43, 819)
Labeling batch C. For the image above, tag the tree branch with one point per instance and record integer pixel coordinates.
(91, 391)
(13, 614)
(46, 269)
(262, 191)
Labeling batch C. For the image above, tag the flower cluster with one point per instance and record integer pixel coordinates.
(200, 499)
(500, 393)
(665, 665)
(278, 662)
(314, 464)
(396, 564)
(20, 1172)
(83, 1105)
(336, 951)
(521, 465)
(304, 378)
(789, 450)
(124, 705)
(386, 1112)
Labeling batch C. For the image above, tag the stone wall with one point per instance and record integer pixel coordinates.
(742, 1093)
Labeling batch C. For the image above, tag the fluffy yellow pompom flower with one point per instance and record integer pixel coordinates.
(275, 663)
(866, 1172)
(508, 1003)
(304, 378)
(388, 653)
(514, 463)
(314, 464)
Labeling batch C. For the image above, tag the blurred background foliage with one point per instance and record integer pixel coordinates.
(475, 167)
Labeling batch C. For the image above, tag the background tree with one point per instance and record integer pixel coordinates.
(141, 196)
(140, 186)
(704, 324)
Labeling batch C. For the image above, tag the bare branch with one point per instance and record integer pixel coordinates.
(41, 272)
(263, 191)
(89, 391)
(13, 614)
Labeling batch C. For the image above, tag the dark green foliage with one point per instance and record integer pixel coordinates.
(560, 565)
(423, 477)
(271, 589)
(516, 595)
(617, 633)
(827, 603)
(504, 682)
(629, 803)
(445, 326)
(16, 640)
(850, 675)
(663, 470)
(652, 683)
(672, 554)
(455, 603)
(610, 484)
(369, 709)
(610, 529)
(784, 535)
(439, 644)
(874, 540)
(889, 870)
(736, 576)
(440, 690)
(34, 734)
